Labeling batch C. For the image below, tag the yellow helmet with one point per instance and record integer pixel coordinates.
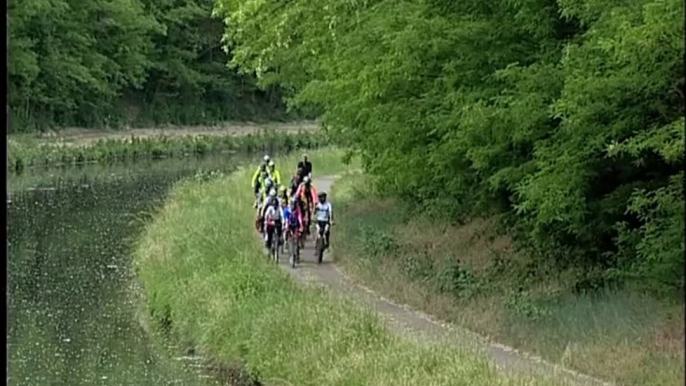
(282, 189)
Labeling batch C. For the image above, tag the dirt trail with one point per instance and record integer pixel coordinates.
(418, 325)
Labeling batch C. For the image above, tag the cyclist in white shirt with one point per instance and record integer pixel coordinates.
(324, 214)
(273, 222)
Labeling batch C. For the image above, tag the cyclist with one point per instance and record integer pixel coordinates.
(293, 222)
(262, 166)
(273, 222)
(258, 182)
(307, 194)
(283, 197)
(264, 198)
(295, 181)
(268, 188)
(306, 166)
(268, 200)
(264, 184)
(274, 173)
(324, 214)
(258, 177)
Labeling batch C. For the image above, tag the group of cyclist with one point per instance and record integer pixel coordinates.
(288, 208)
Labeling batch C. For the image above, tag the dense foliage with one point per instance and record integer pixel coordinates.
(564, 115)
(116, 62)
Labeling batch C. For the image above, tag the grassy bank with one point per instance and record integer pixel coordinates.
(207, 284)
(470, 275)
(25, 151)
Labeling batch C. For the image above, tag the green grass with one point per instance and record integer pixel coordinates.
(24, 151)
(208, 284)
(471, 276)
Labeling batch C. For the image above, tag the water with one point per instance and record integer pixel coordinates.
(74, 306)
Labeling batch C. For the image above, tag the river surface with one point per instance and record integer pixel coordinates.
(74, 314)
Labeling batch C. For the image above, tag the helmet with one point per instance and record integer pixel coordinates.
(305, 156)
(271, 163)
(266, 158)
(306, 179)
(272, 193)
(322, 195)
(282, 189)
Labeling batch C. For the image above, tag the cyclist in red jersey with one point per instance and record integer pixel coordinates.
(307, 194)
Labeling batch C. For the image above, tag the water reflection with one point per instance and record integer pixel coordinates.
(72, 309)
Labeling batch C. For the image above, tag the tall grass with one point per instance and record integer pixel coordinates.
(25, 152)
(209, 286)
(470, 275)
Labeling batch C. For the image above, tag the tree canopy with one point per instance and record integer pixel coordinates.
(114, 62)
(564, 115)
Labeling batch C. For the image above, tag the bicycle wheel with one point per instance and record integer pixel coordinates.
(292, 250)
(319, 249)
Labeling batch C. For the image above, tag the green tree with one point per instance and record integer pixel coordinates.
(562, 114)
(111, 63)
(69, 60)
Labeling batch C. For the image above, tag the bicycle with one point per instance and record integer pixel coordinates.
(275, 246)
(302, 236)
(293, 238)
(258, 199)
(258, 224)
(307, 217)
(273, 240)
(321, 242)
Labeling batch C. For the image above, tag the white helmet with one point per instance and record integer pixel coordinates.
(271, 163)
(272, 193)
(306, 179)
(266, 158)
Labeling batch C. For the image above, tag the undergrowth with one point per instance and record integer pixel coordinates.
(471, 275)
